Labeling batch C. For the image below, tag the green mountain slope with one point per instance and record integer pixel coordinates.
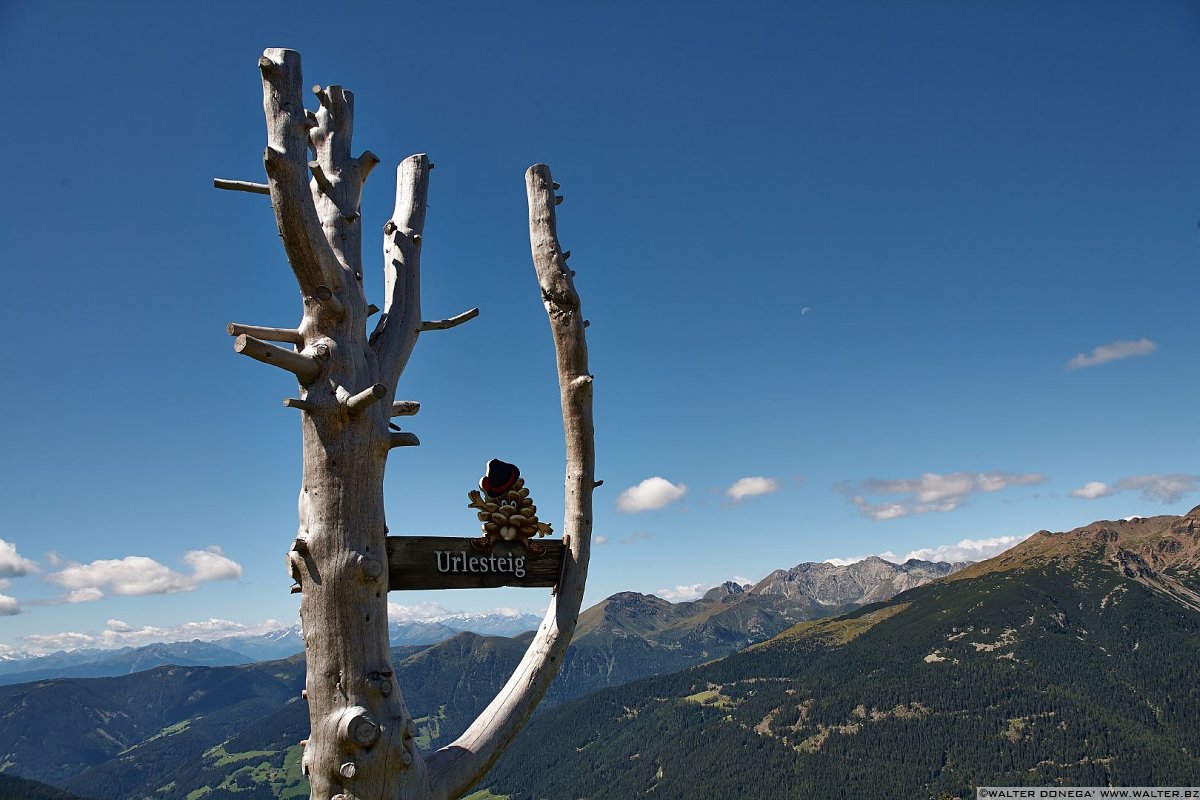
(1070, 659)
(20, 789)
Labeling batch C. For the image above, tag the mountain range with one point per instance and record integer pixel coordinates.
(1070, 659)
(234, 729)
(232, 650)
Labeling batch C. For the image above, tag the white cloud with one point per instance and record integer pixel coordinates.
(423, 612)
(751, 487)
(1092, 490)
(1113, 351)
(210, 564)
(845, 562)
(1154, 488)
(599, 540)
(680, 594)
(637, 536)
(805, 310)
(88, 594)
(964, 550)
(139, 575)
(12, 564)
(929, 493)
(117, 633)
(9, 606)
(694, 591)
(1163, 488)
(650, 494)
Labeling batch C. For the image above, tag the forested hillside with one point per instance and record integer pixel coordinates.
(1070, 659)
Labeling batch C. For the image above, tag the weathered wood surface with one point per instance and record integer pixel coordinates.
(361, 745)
(414, 563)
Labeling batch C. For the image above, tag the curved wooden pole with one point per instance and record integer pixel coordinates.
(454, 769)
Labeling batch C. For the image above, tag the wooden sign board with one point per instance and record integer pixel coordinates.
(441, 562)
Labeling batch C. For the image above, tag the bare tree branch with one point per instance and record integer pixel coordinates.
(286, 162)
(290, 335)
(367, 397)
(338, 177)
(403, 439)
(295, 402)
(453, 322)
(405, 408)
(458, 766)
(241, 186)
(304, 367)
(400, 324)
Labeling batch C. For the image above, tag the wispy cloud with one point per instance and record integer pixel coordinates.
(1160, 488)
(139, 575)
(650, 494)
(679, 594)
(1093, 490)
(118, 633)
(421, 612)
(930, 492)
(694, 591)
(637, 536)
(9, 606)
(751, 487)
(599, 540)
(964, 550)
(435, 612)
(13, 564)
(1113, 351)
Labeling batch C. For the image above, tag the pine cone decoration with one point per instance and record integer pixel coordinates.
(506, 509)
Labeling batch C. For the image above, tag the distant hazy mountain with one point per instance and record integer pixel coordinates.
(281, 643)
(287, 641)
(107, 663)
(1070, 659)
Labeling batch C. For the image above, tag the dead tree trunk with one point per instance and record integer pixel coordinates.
(361, 741)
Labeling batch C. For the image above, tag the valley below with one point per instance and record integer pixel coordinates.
(1068, 659)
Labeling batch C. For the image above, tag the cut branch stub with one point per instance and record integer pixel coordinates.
(329, 302)
(304, 367)
(405, 408)
(403, 439)
(241, 186)
(367, 397)
(358, 729)
(289, 335)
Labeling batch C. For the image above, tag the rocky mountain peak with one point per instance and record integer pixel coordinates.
(867, 581)
(726, 589)
(1162, 552)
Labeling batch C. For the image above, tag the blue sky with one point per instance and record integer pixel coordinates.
(925, 269)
